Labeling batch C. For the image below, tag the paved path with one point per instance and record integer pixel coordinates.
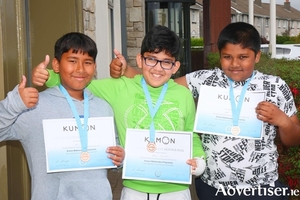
(115, 179)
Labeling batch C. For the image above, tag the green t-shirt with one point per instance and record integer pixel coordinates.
(126, 97)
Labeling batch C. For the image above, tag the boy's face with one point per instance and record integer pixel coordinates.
(237, 62)
(156, 76)
(76, 71)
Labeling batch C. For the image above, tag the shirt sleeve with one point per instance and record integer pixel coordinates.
(10, 108)
(285, 99)
(193, 82)
(107, 89)
(53, 79)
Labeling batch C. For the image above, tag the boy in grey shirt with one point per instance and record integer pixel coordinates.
(75, 56)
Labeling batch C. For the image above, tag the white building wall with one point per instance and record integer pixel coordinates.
(98, 24)
(195, 23)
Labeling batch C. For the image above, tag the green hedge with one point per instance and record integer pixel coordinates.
(285, 39)
(196, 42)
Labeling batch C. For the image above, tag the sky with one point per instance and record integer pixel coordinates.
(294, 3)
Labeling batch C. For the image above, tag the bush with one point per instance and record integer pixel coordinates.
(213, 60)
(293, 39)
(196, 42)
(280, 39)
(289, 42)
(288, 70)
(297, 39)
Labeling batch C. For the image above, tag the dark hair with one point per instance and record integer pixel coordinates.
(78, 42)
(240, 33)
(161, 38)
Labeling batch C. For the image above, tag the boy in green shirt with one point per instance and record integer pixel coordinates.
(158, 61)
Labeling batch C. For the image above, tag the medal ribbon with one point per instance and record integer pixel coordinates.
(82, 128)
(236, 109)
(152, 109)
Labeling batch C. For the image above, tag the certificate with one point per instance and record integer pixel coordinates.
(214, 113)
(63, 146)
(163, 162)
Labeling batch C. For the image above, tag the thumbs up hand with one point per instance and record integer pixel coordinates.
(40, 74)
(29, 95)
(118, 65)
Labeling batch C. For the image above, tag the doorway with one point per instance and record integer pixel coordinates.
(174, 15)
(29, 29)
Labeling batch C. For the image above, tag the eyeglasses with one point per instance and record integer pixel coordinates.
(165, 64)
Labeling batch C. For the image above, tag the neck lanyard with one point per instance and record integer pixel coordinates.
(152, 109)
(82, 128)
(236, 109)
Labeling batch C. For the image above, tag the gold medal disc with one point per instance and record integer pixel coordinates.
(235, 130)
(151, 147)
(85, 156)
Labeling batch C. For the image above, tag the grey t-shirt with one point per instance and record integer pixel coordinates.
(28, 129)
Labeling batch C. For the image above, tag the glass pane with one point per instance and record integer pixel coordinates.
(279, 51)
(156, 14)
(286, 51)
(171, 15)
(265, 49)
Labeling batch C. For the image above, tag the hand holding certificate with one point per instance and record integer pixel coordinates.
(63, 145)
(214, 113)
(164, 160)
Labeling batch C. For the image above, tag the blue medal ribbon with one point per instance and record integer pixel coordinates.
(153, 109)
(82, 128)
(236, 109)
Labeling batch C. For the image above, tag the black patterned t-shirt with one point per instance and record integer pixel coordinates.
(240, 162)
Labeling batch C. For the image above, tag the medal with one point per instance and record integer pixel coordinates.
(236, 108)
(82, 128)
(235, 130)
(151, 147)
(85, 156)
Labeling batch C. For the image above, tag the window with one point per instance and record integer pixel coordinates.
(233, 18)
(173, 15)
(286, 51)
(264, 49)
(111, 24)
(194, 21)
(284, 22)
(279, 51)
(267, 22)
(257, 21)
(283, 51)
(279, 23)
(293, 24)
(245, 18)
(298, 26)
